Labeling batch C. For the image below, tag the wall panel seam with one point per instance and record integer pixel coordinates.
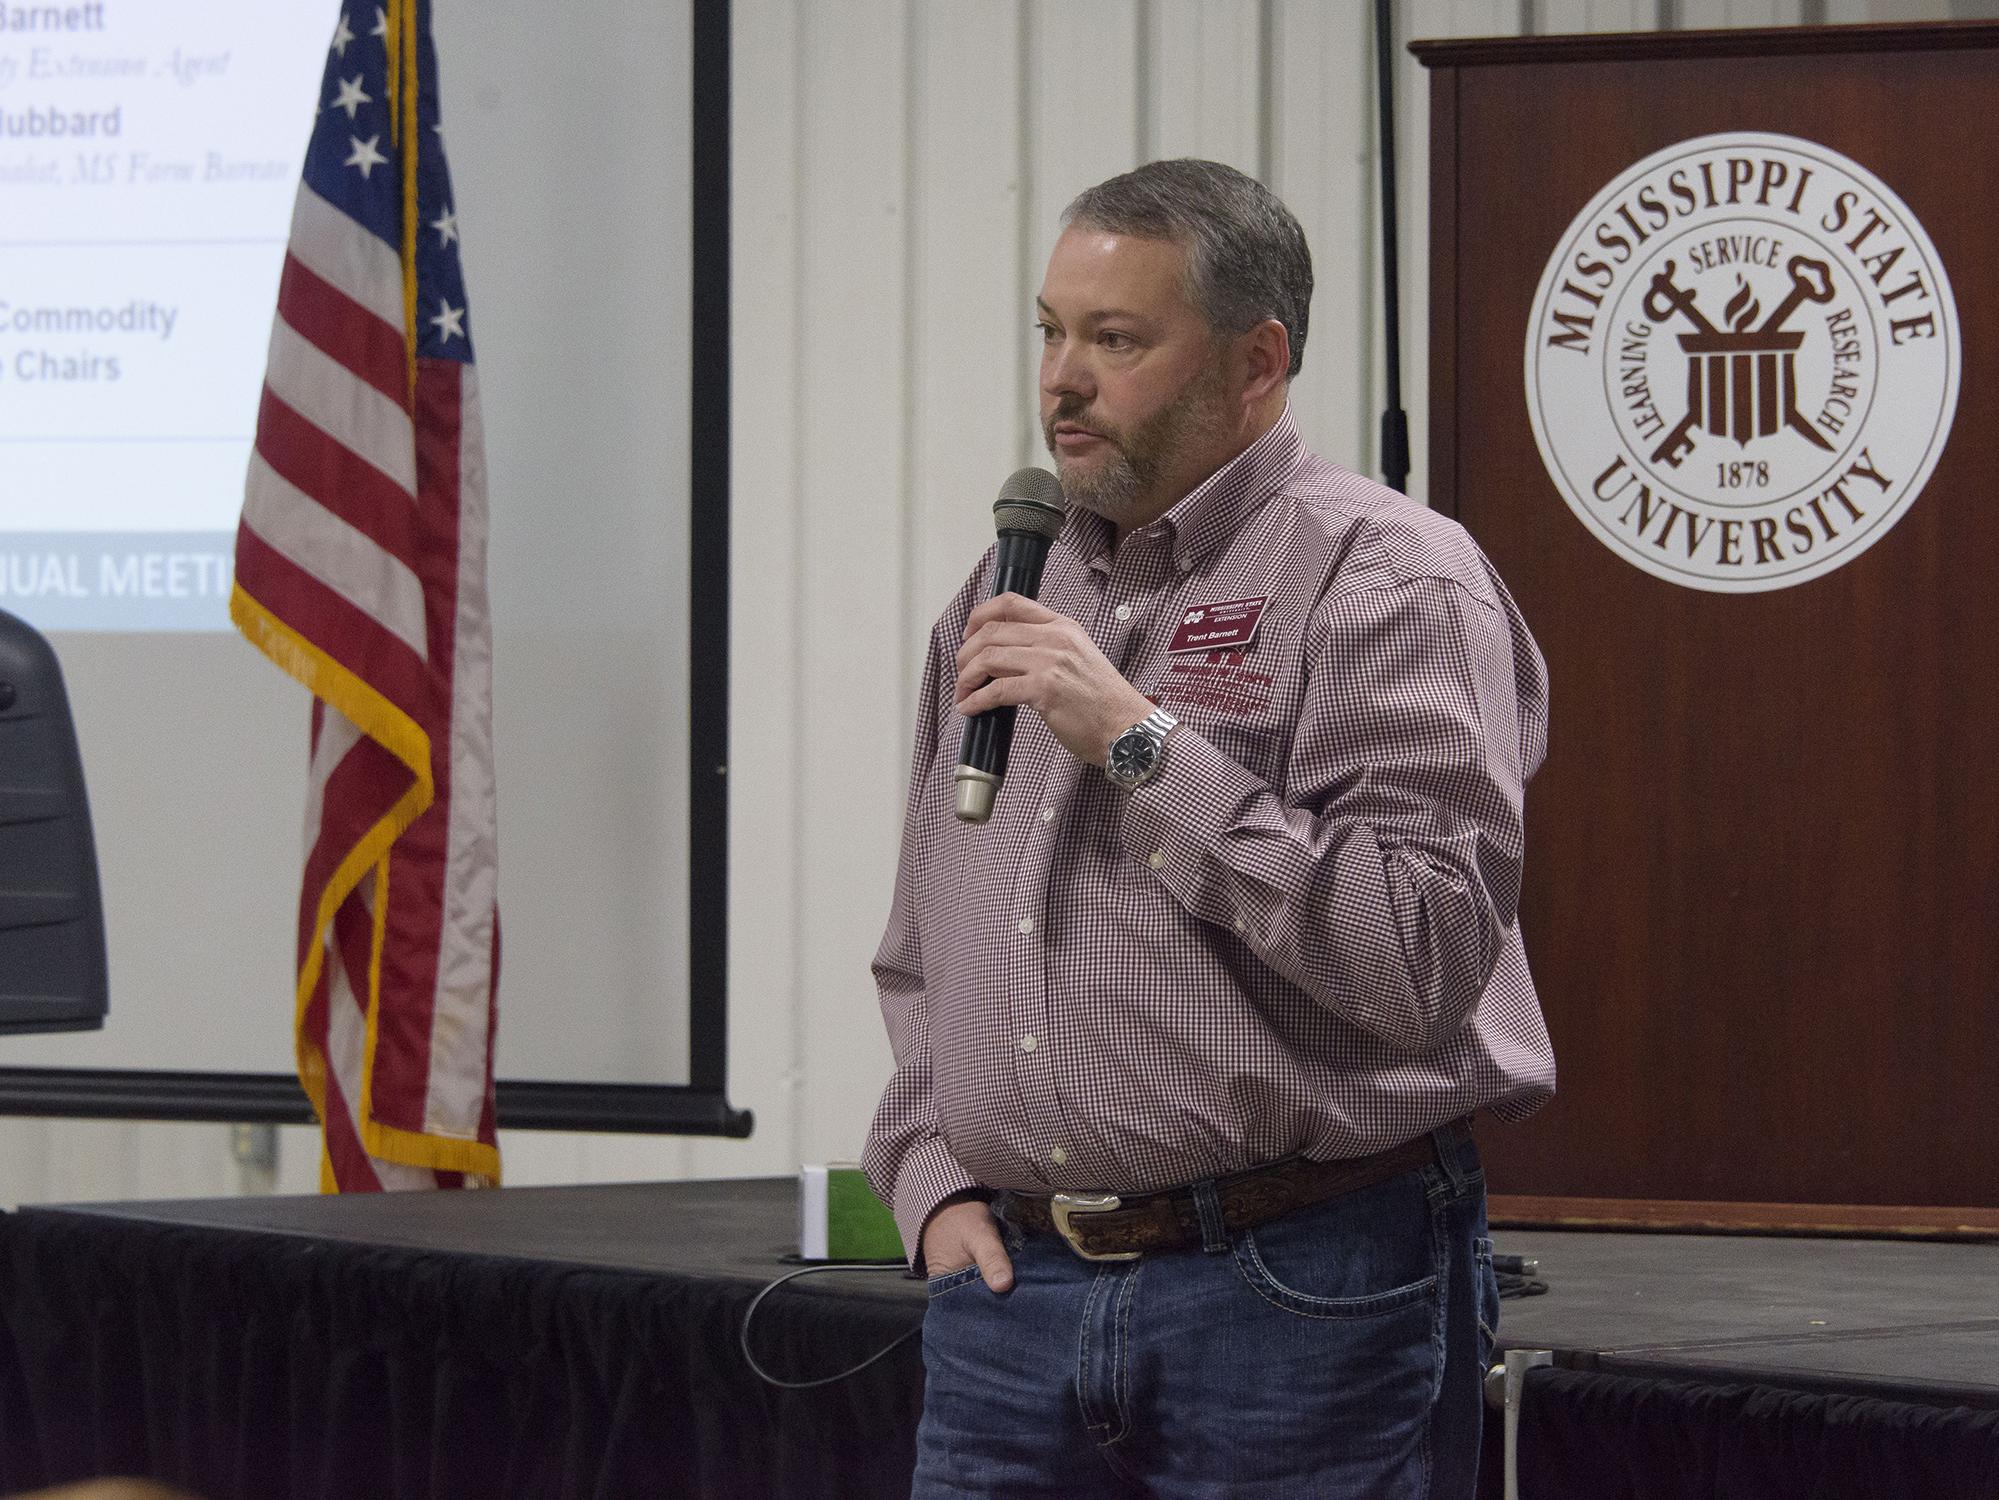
(795, 720)
(1026, 427)
(915, 80)
(1142, 106)
(1266, 91)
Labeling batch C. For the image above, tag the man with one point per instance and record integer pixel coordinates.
(1187, 1038)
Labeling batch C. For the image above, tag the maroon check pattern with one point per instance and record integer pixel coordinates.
(1300, 936)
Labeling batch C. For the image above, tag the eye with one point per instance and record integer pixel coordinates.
(1048, 333)
(1114, 341)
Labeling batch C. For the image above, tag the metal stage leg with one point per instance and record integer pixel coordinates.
(1504, 1385)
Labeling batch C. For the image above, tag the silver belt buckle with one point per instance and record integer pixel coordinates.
(1062, 1205)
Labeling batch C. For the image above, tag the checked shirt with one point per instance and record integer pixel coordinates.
(1300, 936)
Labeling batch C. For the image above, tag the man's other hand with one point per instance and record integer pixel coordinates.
(963, 1232)
(1034, 656)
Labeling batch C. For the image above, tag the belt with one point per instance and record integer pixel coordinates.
(1107, 1226)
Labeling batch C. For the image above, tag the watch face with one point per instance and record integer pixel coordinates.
(1133, 755)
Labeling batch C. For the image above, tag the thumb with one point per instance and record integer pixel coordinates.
(994, 1267)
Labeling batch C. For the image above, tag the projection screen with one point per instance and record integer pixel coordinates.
(149, 156)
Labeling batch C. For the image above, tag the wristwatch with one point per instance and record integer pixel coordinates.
(1135, 755)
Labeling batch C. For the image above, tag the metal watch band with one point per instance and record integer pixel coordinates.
(1155, 727)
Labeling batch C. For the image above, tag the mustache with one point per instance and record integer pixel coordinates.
(1071, 409)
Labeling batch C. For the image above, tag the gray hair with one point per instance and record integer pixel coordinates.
(1246, 256)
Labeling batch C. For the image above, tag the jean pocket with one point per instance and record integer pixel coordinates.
(1313, 1305)
(950, 1281)
(1364, 1255)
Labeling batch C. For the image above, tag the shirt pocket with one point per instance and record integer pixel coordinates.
(1255, 743)
(1247, 710)
(1250, 734)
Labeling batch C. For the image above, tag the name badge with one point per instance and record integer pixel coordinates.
(1217, 627)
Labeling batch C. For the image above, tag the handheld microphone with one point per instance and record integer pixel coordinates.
(1028, 514)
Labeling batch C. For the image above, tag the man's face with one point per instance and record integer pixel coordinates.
(1135, 399)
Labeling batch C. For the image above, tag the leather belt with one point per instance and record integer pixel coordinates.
(1107, 1226)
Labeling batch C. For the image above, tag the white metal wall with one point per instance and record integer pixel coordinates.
(900, 165)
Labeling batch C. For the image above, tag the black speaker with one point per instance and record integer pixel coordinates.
(52, 969)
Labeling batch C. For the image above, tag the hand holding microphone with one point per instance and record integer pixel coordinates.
(1017, 651)
(1028, 514)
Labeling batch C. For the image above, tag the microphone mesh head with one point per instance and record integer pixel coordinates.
(1030, 500)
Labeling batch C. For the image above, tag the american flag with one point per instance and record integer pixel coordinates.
(361, 570)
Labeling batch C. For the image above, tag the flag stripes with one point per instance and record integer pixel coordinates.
(348, 257)
(360, 494)
(312, 382)
(340, 554)
(327, 318)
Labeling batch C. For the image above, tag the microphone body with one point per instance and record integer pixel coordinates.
(1029, 514)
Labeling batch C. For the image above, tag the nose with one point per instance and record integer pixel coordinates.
(1065, 371)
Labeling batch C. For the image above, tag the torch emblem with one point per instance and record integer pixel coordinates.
(1742, 381)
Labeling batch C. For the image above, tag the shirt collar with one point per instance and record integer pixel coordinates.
(1213, 510)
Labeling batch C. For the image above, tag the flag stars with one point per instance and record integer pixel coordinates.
(364, 155)
(351, 96)
(342, 35)
(381, 27)
(446, 227)
(450, 321)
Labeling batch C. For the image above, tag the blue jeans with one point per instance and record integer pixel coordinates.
(1334, 1352)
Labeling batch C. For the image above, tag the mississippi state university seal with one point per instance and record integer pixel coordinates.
(1743, 362)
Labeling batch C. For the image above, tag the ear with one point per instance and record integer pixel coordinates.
(1266, 354)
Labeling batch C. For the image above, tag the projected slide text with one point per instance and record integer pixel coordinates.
(149, 155)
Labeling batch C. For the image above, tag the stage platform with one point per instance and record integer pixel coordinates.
(582, 1342)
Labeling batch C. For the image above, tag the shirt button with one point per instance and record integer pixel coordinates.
(1029, 1043)
(1124, 611)
(1155, 859)
(1048, 815)
(1058, 1155)
(1240, 925)
(1025, 924)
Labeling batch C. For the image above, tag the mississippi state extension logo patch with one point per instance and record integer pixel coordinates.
(1742, 363)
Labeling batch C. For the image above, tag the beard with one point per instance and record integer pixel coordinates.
(1121, 482)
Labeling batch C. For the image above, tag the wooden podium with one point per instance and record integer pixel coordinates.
(1743, 477)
